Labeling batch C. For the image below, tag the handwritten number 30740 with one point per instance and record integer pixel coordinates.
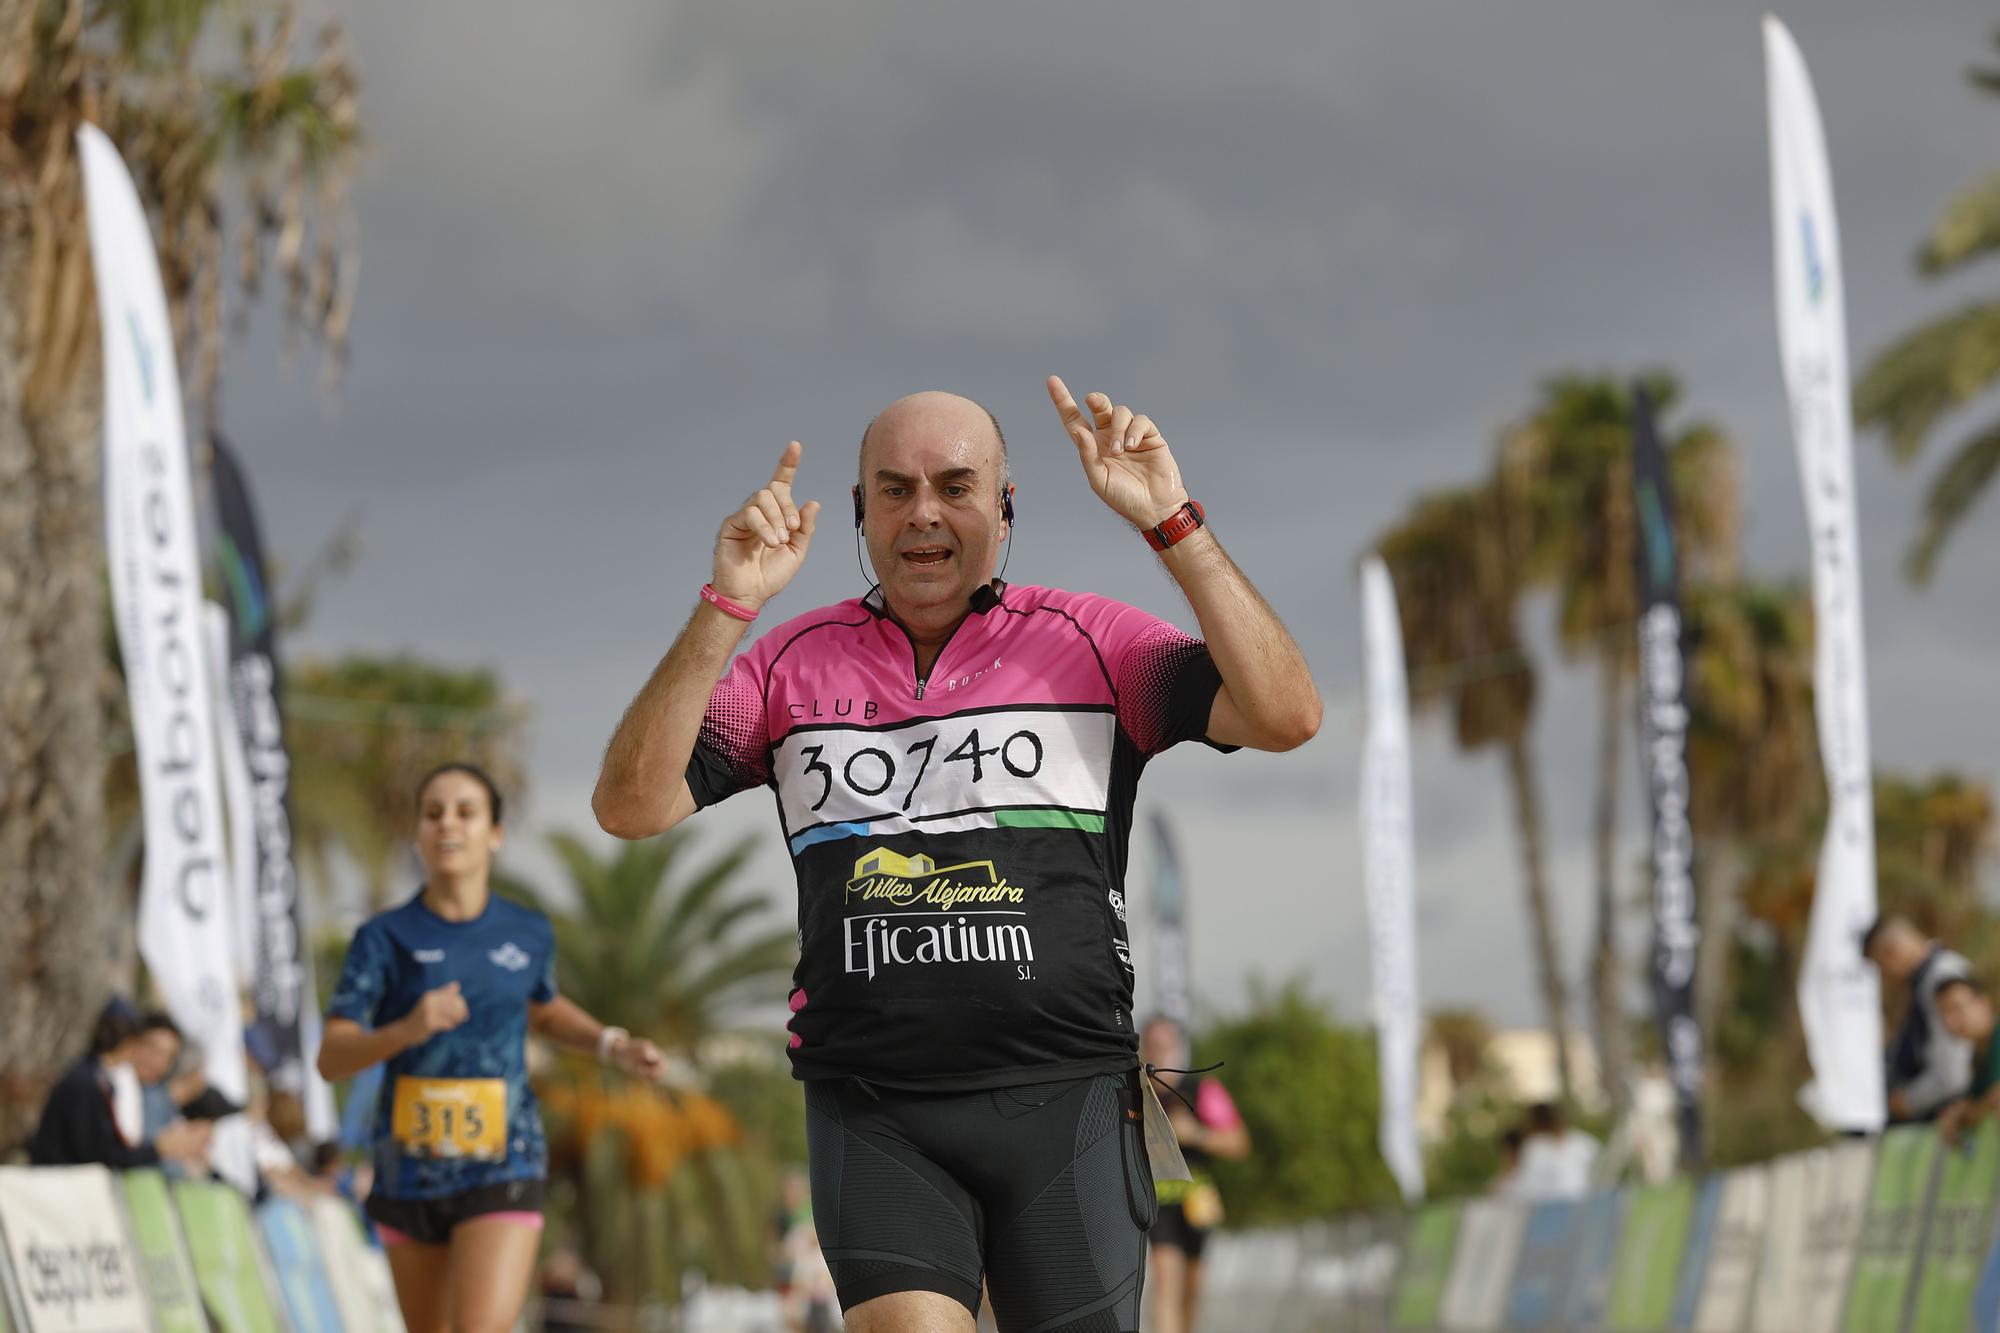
(871, 771)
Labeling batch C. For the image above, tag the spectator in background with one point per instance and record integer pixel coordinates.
(1965, 1010)
(1556, 1161)
(1208, 1127)
(1928, 1068)
(168, 1078)
(1509, 1178)
(81, 1123)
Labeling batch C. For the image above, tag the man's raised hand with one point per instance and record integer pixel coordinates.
(762, 545)
(1123, 455)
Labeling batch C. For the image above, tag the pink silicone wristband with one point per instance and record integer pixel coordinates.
(724, 605)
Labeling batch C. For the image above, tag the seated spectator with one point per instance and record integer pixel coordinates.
(1556, 1160)
(1966, 1011)
(1927, 1067)
(164, 1087)
(82, 1124)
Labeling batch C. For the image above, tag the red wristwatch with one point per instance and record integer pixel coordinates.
(1178, 526)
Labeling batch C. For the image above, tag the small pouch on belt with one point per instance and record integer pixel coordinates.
(1163, 1146)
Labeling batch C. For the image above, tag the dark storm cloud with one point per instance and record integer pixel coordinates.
(613, 262)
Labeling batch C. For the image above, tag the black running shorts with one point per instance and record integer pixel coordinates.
(1171, 1231)
(1043, 1189)
(431, 1221)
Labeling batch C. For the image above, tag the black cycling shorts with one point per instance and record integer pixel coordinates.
(1171, 1231)
(430, 1221)
(1043, 1189)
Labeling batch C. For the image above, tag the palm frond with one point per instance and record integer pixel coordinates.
(1928, 372)
(1968, 228)
(1953, 492)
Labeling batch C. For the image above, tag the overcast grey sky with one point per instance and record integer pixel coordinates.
(614, 256)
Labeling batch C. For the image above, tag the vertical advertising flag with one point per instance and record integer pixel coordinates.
(1389, 862)
(1663, 727)
(184, 919)
(1839, 992)
(1172, 992)
(281, 979)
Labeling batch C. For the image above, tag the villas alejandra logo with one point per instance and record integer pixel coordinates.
(932, 914)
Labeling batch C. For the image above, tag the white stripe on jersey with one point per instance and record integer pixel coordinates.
(922, 773)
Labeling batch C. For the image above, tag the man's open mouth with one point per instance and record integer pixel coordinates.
(927, 555)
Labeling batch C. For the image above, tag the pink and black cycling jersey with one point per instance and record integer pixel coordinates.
(959, 838)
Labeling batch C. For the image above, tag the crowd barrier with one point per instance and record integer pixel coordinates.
(85, 1251)
(1896, 1235)
(1892, 1235)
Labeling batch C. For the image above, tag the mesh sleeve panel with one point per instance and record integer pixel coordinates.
(1166, 687)
(732, 753)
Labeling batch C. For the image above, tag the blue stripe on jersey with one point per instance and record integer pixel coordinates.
(827, 833)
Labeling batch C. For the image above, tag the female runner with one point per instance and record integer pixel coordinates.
(444, 990)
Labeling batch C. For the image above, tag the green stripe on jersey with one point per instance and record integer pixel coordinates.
(1075, 819)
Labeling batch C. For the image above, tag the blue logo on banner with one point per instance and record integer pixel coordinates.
(1815, 271)
(142, 352)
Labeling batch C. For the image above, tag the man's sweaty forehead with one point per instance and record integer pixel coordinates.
(941, 415)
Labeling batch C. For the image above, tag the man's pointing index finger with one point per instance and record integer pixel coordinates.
(788, 464)
(1059, 394)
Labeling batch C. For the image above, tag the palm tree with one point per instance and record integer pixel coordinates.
(363, 732)
(665, 949)
(1566, 469)
(657, 946)
(1753, 757)
(1943, 365)
(1457, 562)
(201, 122)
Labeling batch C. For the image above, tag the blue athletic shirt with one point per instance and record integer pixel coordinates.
(503, 960)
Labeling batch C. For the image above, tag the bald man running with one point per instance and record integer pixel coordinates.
(955, 762)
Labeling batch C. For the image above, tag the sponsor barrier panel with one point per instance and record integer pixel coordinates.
(1370, 1248)
(72, 1265)
(1892, 1229)
(1427, 1258)
(1701, 1238)
(1833, 1232)
(1591, 1271)
(1986, 1297)
(1650, 1246)
(1489, 1241)
(216, 1222)
(1730, 1279)
(295, 1262)
(1781, 1267)
(1597, 1243)
(1541, 1279)
(1253, 1274)
(1961, 1231)
(1318, 1298)
(358, 1272)
(163, 1260)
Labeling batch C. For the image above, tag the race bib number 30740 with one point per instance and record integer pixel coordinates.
(939, 768)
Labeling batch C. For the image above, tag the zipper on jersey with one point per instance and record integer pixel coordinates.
(916, 669)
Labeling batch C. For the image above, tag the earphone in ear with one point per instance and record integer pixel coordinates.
(858, 507)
